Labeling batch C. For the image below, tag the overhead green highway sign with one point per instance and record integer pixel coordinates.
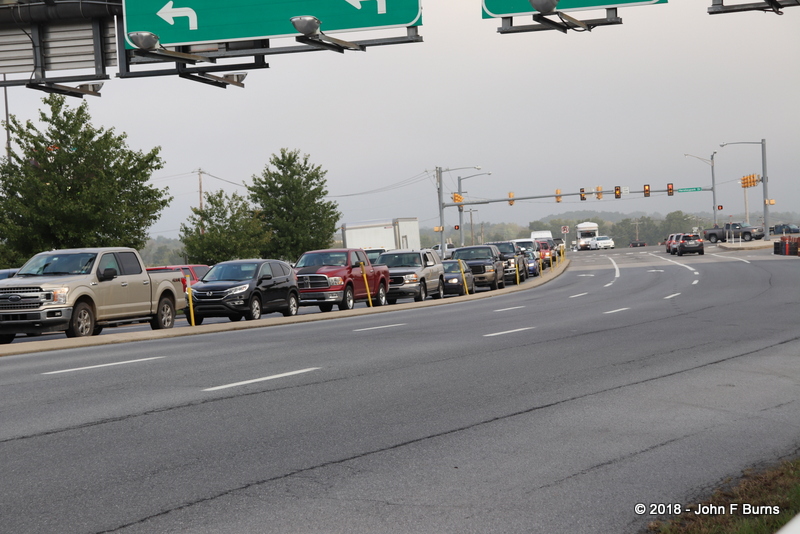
(184, 22)
(688, 189)
(511, 8)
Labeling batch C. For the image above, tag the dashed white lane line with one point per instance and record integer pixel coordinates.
(578, 295)
(507, 309)
(102, 365)
(615, 311)
(508, 331)
(671, 296)
(262, 379)
(379, 327)
(730, 257)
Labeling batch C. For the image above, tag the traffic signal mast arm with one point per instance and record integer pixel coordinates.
(551, 195)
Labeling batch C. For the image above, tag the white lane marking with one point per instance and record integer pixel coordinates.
(578, 295)
(730, 257)
(616, 268)
(656, 271)
(379, 327)
(273, 377)
(609, 284)
(677, 263)
(585, 275)
(507, 309)
(615, 311)
(671, 296)
(103, 365)
(509, 331)
(694, 282)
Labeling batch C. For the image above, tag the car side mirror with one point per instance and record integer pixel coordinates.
(265, 277)
(107, 274)
(429, 263)
(503, 257)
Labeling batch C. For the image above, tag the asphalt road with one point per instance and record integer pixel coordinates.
(634, 377)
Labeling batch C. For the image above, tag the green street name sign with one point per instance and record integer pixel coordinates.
(184, 22)
(688, 189)
(511, 8)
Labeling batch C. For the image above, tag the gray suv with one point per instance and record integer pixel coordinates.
(486, 263)
(413, 274)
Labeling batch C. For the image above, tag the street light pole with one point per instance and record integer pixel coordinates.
(764, 179)
(440, 192)
(713, 182)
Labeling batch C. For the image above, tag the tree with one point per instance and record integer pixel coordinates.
(225, 229)
(289, 200)
(74, 185)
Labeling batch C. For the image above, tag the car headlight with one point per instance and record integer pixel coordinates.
(237, 289)
(410, 279)
(453, 281)
(489, 269)
(58, 296)
(335, 280)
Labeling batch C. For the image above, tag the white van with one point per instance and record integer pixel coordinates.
(542, 234)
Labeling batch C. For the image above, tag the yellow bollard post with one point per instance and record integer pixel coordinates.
(366, 283)
(516, 268)
(191, 304)
(463, 278)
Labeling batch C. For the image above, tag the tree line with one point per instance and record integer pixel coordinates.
(73, 185)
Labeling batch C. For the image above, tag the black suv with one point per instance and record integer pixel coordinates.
(514, 256)
(688, 244)
(245, 288)
(486, 263)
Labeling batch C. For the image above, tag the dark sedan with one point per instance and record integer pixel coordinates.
(245, 288)
(454, 280)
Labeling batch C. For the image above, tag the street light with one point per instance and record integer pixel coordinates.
(713, 182)
(461, 208)
(440, 191)
(764, 180)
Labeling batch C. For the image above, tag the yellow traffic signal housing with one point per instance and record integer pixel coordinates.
(617, 191)
(583, 194)
(646, 190)
(599, 192)
(558, 195)
(670, 190)
(510, 195)
(457, 198)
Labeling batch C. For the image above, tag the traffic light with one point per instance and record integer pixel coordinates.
(719, 208)
(457, 227)
(457, 198)
(670, 190)
(617, 191)
(438, 228)
(745, 181)
(599, 192)
(583, 194)
(646, 190)
(558, 195)
(510, 195)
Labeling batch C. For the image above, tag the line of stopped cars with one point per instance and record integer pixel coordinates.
(247, 289)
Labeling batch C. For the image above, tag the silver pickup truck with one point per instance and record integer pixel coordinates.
(79, 291)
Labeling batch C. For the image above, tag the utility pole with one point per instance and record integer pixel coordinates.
(200, 173)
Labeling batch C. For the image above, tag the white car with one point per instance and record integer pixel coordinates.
(601, 241)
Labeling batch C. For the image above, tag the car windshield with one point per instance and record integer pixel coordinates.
(234, 272)
(481, 253)
(603, 238)
(506, 248)
(398, 259)
(690, 237)
(318, 259)
(452, 267)
(49, 264)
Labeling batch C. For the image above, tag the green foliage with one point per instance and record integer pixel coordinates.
(225, 229)
(74, 185)
(289, 200)
(163, 251)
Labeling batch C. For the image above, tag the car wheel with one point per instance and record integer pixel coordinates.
(164, 318)
(502, 282)
(292, 306)
(713, 238)
(82, 322)
(391, 301)
(254, 309)
(325, 307)
(5, 339)
(702, 252)
(423, 292)
(198, 320)
(96, 332)
(439, 290)
(494, 285)
(234, 318)
(747, 237)
(348, 301)
(380, 298)
(679, 252)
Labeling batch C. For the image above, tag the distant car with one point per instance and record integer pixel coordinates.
(601, 242)
(516, 262)
(245, 288)
(786, 229)
(638, 244)
(528, 245)
(669, 241)
(688, 244)
(454, 283)
(7, 273)
(533, 263)
(545, 253)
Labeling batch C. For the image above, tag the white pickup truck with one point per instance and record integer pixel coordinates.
(79, 291)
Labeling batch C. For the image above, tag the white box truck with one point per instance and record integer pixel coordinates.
(387, 234)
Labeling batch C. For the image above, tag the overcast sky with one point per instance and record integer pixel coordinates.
(620, 105)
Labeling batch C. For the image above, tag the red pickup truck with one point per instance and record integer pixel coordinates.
(337, 276)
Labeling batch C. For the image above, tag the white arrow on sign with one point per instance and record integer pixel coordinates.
(357, 4)
(169, 13)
